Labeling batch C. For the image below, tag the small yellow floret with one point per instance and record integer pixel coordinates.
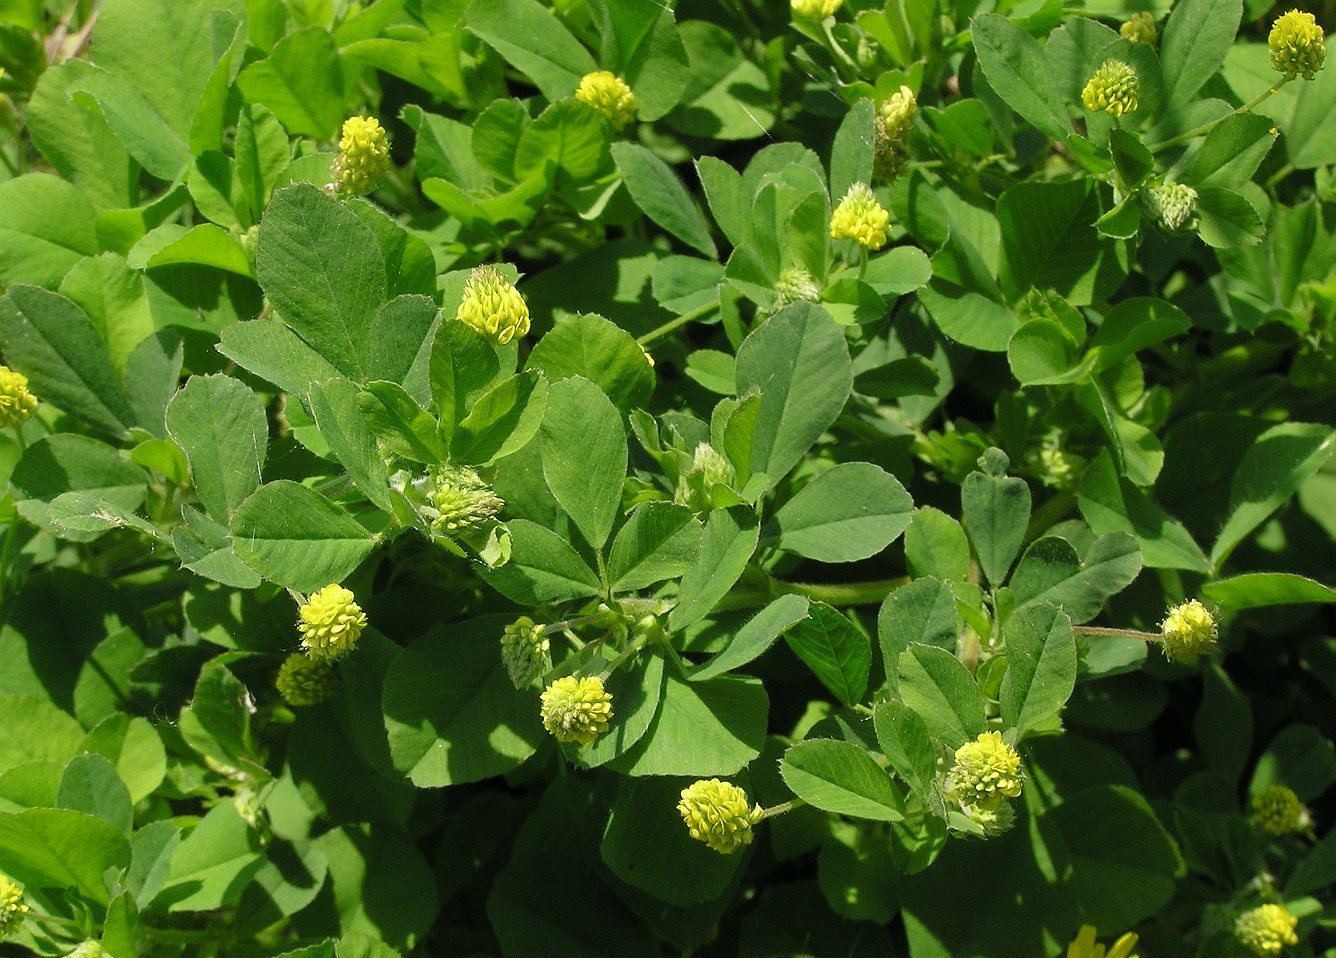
(304, 681)
(493, 307)
(331, 623)
(12, 908)
(1114, 88)
(364, 157)
(717, 814)
(1266, 929)
(16, 403)
(576, 710)
(815, 9)
(1085, 946)
(1188, 631)
(1278, 810)
(860, 217)
(609, 94)
(1297, 45)
(986, 771)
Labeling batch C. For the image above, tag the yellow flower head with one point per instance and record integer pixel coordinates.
(576, 710)
(860, 217)
(986, 771)
(524, 649)
(331, 623)
(1266, 929)
(1297, 45)
(1140, 28)
(12, 908)
(892, 128)
(815, 9)
(609, 94)
(1188, 631)
(16, 403)
(1172, 204)
(1114, 88)
(1085, 946)
(364, 157)
(717, 814)
(493, 307)
(1278, 810)
(463, 501)
(304, 681)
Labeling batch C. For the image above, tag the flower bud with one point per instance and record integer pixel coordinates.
(1266, 929)
(717, 814)
(795, 286)
(364, 157)
(493, 307)
(815, 9)
(1173, 204)
(463, 501)
(16, 403)
(576, 710)
(986, 770)
(1277, 809)
(1114, 88)
(524, 649)
(609, 94)
(891, 128)
(1188, 631)
(303, 681)
(12, 908)
(694, 486)
(860, 217)
(331, 623)
(1297, 45)
(1140, 28)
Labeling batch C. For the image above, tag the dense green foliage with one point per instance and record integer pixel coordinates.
(770, 551)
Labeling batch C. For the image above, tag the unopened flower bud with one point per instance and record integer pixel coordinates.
(1140, 28)
(860, 217)
(463, 501)
(304, 681)
(815, 9)
(493, 307)
(609, 94)
(1278, 810)
(717, 814)
(1173, 204)
(1297, 45)
(524, 649)
(576, 710)
(986, 771)
(16, 403)
(1266, 929)
(331, 623)
(1189, 631)
(364, 157)
(892, 128)
(795, 286)
(1114, 88)
(694, 486)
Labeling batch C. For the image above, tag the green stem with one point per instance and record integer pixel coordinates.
(848, 593)
(1120, 633)
(781, 808)
(687, 317)
(1207, 127)
(632, 647)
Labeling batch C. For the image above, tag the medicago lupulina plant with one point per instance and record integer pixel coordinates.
(634, 477)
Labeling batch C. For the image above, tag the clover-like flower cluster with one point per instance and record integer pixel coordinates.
(331, 623)
(16, 403)
(860, 217)
(609, 94)
(1140, 28)
(815, 9)
(1085, 946)
(525, 651)
(364, 157)
(892, 128)
(493, 306)
(576, 710)
(1266, 929)
(695, 485)
(795, 285)
(462, 500)
(1277, 809)
(1114, 88)
(303, 681)
(1173, 204)
(987, 770)
(1297, 45)
(12, 908)
(1188, 631)
(717, 814)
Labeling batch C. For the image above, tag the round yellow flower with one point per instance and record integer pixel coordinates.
(1189, 631)
(331, 623)
(986, 771)
(576, 710)
(815, 9)
(364, 156)
(1085, 946)
(860, 217)
(609, 94)
(16, 403)
(304, 681)
(12, 908)
(1140, 28)
(1297, 45)
(1114, 88)
(493, 307)
(717, 814)
(1278, 810)
(1266, 929)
